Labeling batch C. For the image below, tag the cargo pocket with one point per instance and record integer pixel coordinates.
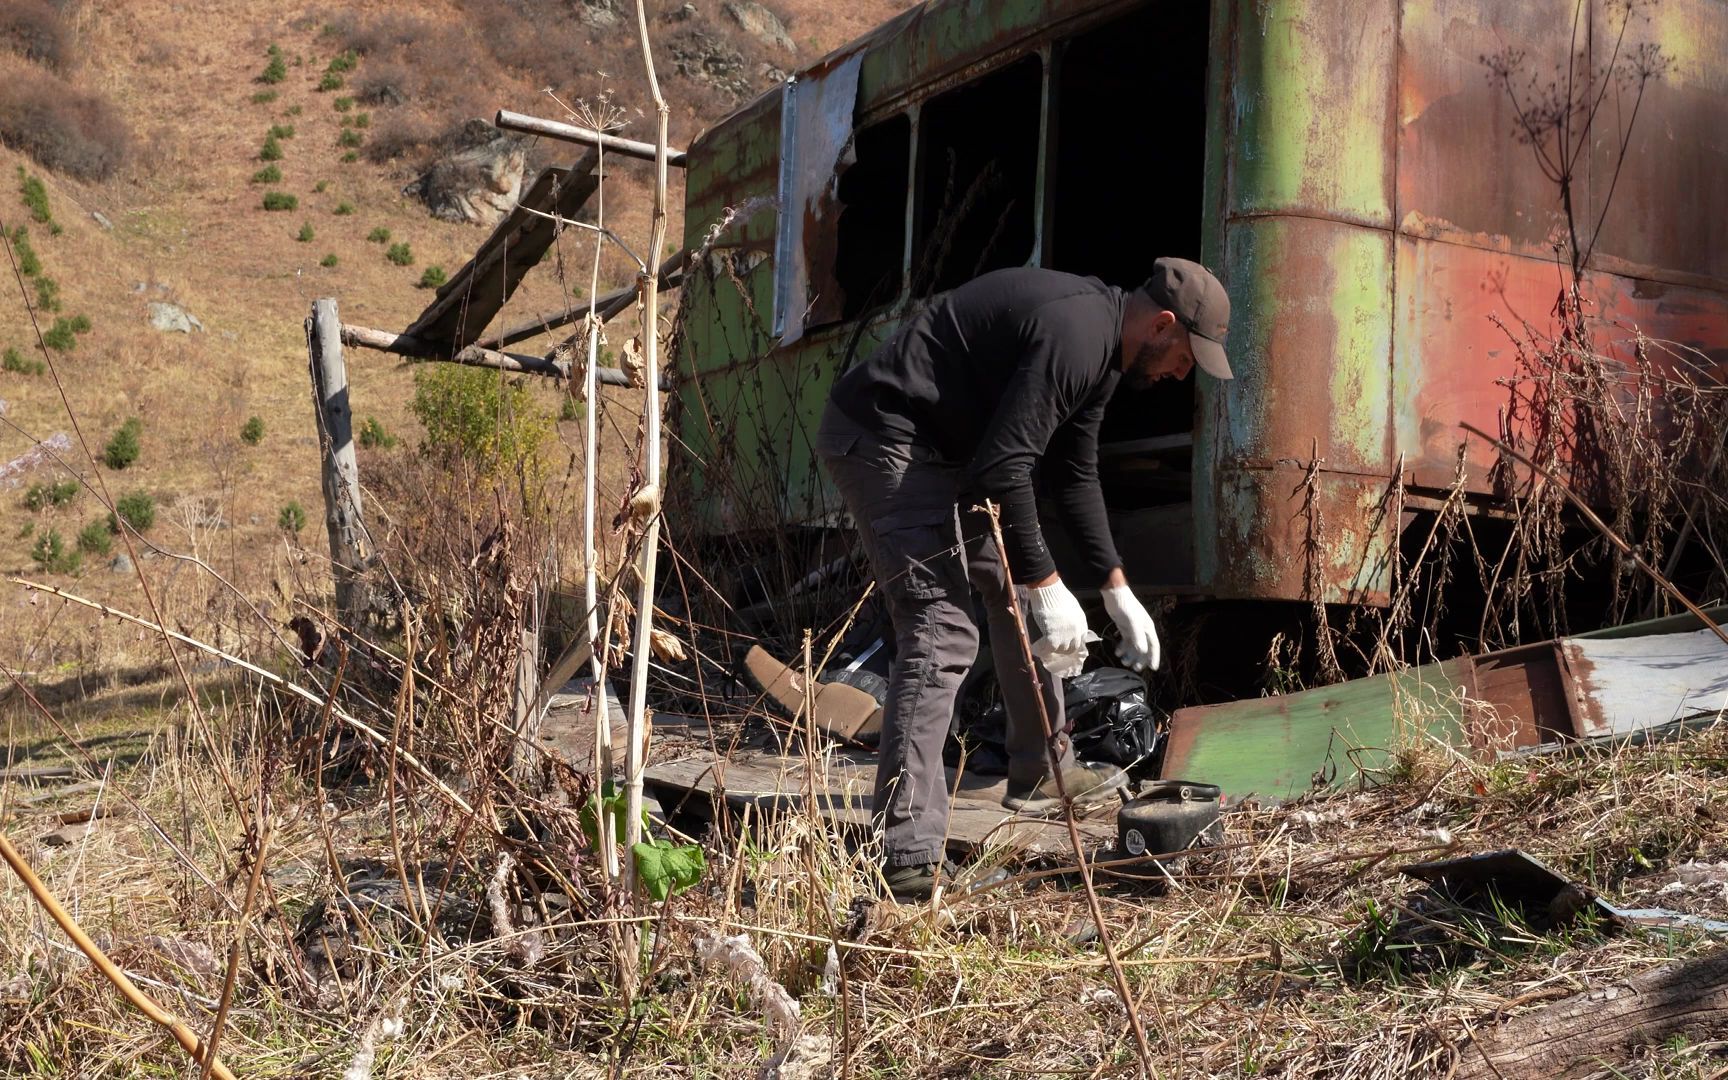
(835, 444)
(921, 562)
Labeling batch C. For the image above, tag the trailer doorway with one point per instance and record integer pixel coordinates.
(1126, 185)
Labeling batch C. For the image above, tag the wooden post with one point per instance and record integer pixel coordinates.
(341, 475)
(526, 698)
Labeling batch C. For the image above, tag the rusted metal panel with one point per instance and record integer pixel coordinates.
(910, 56)
(1306, 137)
(1463, 175)
(1452, 360)
(1516, 698)
(1468, 172)
(1311, 346)
(1449, 355)
(1669, 211)
(815, 129)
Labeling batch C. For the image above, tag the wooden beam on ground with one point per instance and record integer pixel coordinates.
(608, 306)
(554, 129)
(1579, 1035)
(473, 356)
(474, 294)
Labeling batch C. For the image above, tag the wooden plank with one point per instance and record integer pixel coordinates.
(1606, 1025)
(478, 356)
(475, 293)
(776, 782)
(607, 307)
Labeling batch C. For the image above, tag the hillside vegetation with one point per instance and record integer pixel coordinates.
(237, 162)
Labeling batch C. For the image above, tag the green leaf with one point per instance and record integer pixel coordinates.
(615, 802)
(665, 870)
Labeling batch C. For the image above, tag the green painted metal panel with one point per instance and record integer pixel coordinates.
(1312, 109)
(939, 38)
(1344, 734)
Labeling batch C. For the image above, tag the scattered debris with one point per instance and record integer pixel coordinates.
(383, 1028)
(1625, 682)
(1545, 898)
(67, 835)
(779, 1010)
(38, 772)
(841, 711)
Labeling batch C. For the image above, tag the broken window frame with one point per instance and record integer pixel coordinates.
(924, 159)
(1048, 48)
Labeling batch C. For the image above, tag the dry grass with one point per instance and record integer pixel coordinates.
(1296, 949)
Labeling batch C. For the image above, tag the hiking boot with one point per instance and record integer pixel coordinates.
(914, 884)
(1087, 784)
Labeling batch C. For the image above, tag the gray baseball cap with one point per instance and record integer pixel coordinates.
(1199, 302)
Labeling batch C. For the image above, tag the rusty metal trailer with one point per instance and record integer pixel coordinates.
(1350, 170)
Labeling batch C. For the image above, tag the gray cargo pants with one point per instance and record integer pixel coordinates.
(927, 552)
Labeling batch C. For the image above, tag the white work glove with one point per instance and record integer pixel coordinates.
(1139, 648)
(1061, 620)
(1062, 664)
(1063, 634)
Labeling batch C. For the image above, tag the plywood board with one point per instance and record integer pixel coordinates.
(842, 793)
(1633, 683)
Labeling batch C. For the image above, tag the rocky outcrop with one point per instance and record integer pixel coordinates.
(172, 318)
(479, 181)
(705, 58)
(760, 23)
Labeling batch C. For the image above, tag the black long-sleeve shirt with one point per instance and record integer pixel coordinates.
(1008, 371)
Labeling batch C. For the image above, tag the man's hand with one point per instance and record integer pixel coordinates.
(1139, 648)
(1061, 621)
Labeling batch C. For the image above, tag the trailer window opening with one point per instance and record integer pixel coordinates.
(870, 235)
(1120, 196)
(978, 178)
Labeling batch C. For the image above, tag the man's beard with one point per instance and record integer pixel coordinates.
(1139, 376)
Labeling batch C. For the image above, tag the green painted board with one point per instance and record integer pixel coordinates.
(1276, 746)
(1347, 734)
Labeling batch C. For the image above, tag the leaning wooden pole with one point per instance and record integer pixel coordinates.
(603, 755)
(185, 1036)
(341, 474)
(648, 502)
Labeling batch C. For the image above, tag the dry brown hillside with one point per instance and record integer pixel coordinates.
(180, 218)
